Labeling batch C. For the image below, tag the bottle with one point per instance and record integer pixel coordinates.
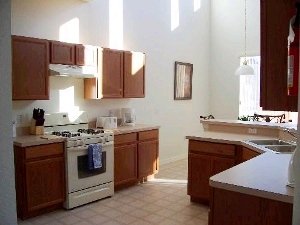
(293, 54)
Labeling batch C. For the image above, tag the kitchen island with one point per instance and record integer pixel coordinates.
(239, 192)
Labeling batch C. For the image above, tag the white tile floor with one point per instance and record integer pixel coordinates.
(163, 200)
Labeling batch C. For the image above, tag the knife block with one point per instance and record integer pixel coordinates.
(36, 130)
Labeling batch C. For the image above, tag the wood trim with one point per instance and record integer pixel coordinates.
(148, 135)
(212, 148)
(44, 150)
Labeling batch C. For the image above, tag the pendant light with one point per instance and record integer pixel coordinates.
(245, 69)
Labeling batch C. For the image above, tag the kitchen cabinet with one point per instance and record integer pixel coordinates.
(248, 154)
(275, 17)
(30, 62)
(125, 161)
(73, 54)
(136, 157)
(233, 208)
(62, 53)
(206, 159)
(121, 75)
(134, 75)
(40, 179)
(112, 79)
(147, 153)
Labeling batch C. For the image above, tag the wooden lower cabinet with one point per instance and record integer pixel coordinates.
(233, 208)
(40, 179)
(136, 157)
(206, 159)
(248, 154)
(125, 164)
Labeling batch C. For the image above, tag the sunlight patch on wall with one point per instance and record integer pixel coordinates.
(137, 62)
(174, 14)
(116, 24)
(69, 31)
(197, 5)
(66, 100)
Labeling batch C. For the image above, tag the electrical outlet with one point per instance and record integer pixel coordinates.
(20, 119)
(252, 130)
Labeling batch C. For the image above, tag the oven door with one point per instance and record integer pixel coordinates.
(79, 177)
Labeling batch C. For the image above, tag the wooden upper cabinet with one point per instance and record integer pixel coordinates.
(86, 55)
(134, 74)
(112, 77)
(275, 17)
(62, 53)
(30, 62)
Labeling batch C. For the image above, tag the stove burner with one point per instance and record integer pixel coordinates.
(66, 134)
(90, 131)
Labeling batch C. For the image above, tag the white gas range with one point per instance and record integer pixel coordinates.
(83, 185)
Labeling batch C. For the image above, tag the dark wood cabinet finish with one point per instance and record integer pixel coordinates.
(136, 157)
(275, 17)
(134, 75)
(112, 79)
(206, 159)
(86, 55)
(147, 153)
(40, 179)
(62, 53)
(30, 62)
(248, 154)
(233, 208)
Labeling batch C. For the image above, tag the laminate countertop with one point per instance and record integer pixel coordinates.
(263, 176)
(32, 140)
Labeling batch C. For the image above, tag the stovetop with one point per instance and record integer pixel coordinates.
(79, 133)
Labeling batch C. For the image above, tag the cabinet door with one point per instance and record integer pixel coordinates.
(45, 183)
(134, 75)
(275, 17)
(199, 171)
(248, 154)
(125, 164)
(220, 164)
(112, 82)
(30, 62)
(62, 53)
(86, 55)
(147, 158)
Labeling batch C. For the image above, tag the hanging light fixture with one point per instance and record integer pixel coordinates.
(245, 69)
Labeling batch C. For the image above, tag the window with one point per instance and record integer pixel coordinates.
(250, 93)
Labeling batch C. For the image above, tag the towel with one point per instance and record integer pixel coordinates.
(94, 156)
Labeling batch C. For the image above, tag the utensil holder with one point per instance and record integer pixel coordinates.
(36, 130)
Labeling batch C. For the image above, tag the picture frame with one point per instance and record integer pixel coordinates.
(183, 81)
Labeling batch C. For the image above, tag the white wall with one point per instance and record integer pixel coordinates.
(227, 45)
(8, 214)
(147, 28)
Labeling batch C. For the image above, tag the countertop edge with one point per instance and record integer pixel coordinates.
(251, 191)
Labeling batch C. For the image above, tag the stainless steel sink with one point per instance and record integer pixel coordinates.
(269, 142)
(281, 148)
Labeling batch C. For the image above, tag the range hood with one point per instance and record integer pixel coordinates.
(73, 71)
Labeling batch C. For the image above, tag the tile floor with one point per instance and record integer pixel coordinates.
(163, 200)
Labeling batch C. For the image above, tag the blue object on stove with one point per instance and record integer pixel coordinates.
(94, 156)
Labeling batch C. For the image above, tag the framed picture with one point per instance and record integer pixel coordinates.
(183, 81)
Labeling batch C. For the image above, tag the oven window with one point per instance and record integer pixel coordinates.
(83, 169)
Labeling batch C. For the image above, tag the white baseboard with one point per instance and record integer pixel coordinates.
(173, 159)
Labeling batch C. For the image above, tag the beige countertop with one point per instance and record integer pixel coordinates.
(263, 176)
(136, 128)
(31, 140)
(251, 124)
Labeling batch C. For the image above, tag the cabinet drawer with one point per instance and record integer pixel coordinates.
(44, 150)
(148, 135)
(211, 148)
(125, 138)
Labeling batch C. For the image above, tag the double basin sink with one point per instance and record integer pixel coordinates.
(276, 145)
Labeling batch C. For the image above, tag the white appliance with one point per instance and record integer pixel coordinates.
(128, 117)
(73, 71)
(116, 113)
(84, 185)
(106, 122)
